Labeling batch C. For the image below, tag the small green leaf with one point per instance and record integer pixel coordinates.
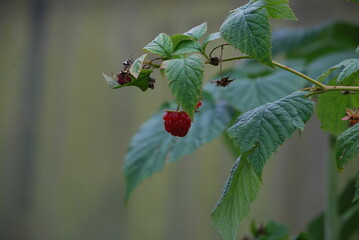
(280, 9)
(137, 65)
(349, 71)
(262, 130)
(152, 145)
(185, 76)
(211, 37)
(187, 46)
(162, 46)
(248, 30)
(177, 38)
(356, 195)
(276, 231)
(111, 82)
(198, 31)
(238, 193)
(331, 109)
(347, 146)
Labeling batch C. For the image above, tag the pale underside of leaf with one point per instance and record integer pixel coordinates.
(198, 31)
(137, 65)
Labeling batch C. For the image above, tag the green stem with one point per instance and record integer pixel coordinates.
(331, 217)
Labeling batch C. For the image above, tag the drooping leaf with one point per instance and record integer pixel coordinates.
(152, 146)
(347, 146)
(198, 31)
(177, 38)
(349, 71)
(247, 29)
(280, 9)
(141, 82)
(260, 131)
(238, 193)
(331, 109)
(185, 76)
(211, 37)
(187, 46)
(162, 46)
(137, 65)
(356, 195)
(246, 92)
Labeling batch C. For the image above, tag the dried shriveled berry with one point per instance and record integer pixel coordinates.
(123, 77)
(351, 116)
(177, 123)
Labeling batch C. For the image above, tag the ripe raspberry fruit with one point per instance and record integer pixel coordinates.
(177, 123)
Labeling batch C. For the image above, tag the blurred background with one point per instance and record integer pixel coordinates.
(64, 133)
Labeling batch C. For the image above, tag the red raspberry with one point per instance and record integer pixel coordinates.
(198, 105)
(177, 123)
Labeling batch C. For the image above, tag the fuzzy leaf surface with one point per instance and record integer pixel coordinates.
(280, 9)
(331, 109)
(162, 46)
(136, 67)
(349, 71)
(239, 192)
(247, 29)
(262, 130)
(152, 146)
(347, 146)
(185, 76)
(198, 31)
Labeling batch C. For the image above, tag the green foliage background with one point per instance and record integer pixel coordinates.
(64, 133)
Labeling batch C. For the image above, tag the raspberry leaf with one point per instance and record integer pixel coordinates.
(247, 29)
(185, 76)
(259, 132)
(280, 9)
(198, 31)
(187, 46)
(347, 146)
(152, 145)
(177, 38)
(137, 65)
(162, 46)
(238, 193)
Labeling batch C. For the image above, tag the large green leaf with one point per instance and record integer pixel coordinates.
(137, 65)
(246, 92)
(347, 146)
(349, 71)
(331, 109)
(238, 193)
(260, 131)
(185, 76)
(280, 9)
(162, 46)
(152, 145)
(247, 29)
(198, 31)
